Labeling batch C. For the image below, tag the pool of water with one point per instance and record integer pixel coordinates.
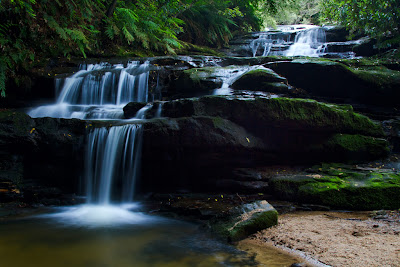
(69, 237)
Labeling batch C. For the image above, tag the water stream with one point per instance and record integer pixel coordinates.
(109, 229)
(39, 241)
(98, 91)
(292, 40)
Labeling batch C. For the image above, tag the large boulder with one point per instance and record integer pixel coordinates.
(206, 133)
(244, 220)
(260, 115)
(352, 81)
(261, 79)
(341, 186)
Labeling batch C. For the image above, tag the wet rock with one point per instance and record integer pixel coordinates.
(132, 108)
(261, 80)
(251, 61)
(336, 34)
(392, 131)
(245, 220)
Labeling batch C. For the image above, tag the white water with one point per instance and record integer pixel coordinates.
(113, 158)
(265, 42)
(112, 164)
(309, 43)
(94, 216)
(228, 76)
(98, 91)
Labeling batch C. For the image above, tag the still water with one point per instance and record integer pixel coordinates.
(88, 236)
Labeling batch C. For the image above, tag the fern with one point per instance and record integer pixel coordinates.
(128, 36)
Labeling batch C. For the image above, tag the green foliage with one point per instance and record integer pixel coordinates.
(378, 18)
(33, 29)
(214, 23)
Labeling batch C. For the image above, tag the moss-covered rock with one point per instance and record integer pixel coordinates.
(198, 80)
(367, 83)
(358, 147)
(284, 113)
(261, 80)
(245, 220)
(198, 146)
(342, 187)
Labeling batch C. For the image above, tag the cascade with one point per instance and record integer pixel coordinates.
(309, 43)
(268, 44)
(98, 91)
(288, 40)
(113, 157)
(265, 41)
(112, 160)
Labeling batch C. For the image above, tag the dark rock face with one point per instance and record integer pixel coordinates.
(132, 108)
(48, 151)
(336, 34)
(207, 139)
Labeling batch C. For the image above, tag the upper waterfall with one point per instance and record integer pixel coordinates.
(98, 91)
(310, 42)
(293, 40)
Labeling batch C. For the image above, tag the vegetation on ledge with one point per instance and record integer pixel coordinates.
(342, 186)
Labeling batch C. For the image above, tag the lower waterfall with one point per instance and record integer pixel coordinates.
(112, 158)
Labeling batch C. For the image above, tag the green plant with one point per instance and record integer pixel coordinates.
(378, 18)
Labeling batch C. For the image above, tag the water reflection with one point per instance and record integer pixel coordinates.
(54, 240)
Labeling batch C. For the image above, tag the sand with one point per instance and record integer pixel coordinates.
(336, 239)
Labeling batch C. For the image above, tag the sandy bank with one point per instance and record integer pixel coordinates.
(337, 239)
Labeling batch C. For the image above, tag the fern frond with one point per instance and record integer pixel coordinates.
(128, 36)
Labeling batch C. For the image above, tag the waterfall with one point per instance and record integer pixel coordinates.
(159, 110)
(98, 91)
(311, 43)
(112, 158)
(265, 41)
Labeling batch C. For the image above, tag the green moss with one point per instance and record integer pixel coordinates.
(287, 112)
(367, 146)
(258, 222)
(266, 74)
(318, 114)
(342, 188)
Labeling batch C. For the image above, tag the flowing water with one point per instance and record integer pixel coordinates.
(292, 40)
(309, 43)
(98, 91)
(46, 241)
(109, 230)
